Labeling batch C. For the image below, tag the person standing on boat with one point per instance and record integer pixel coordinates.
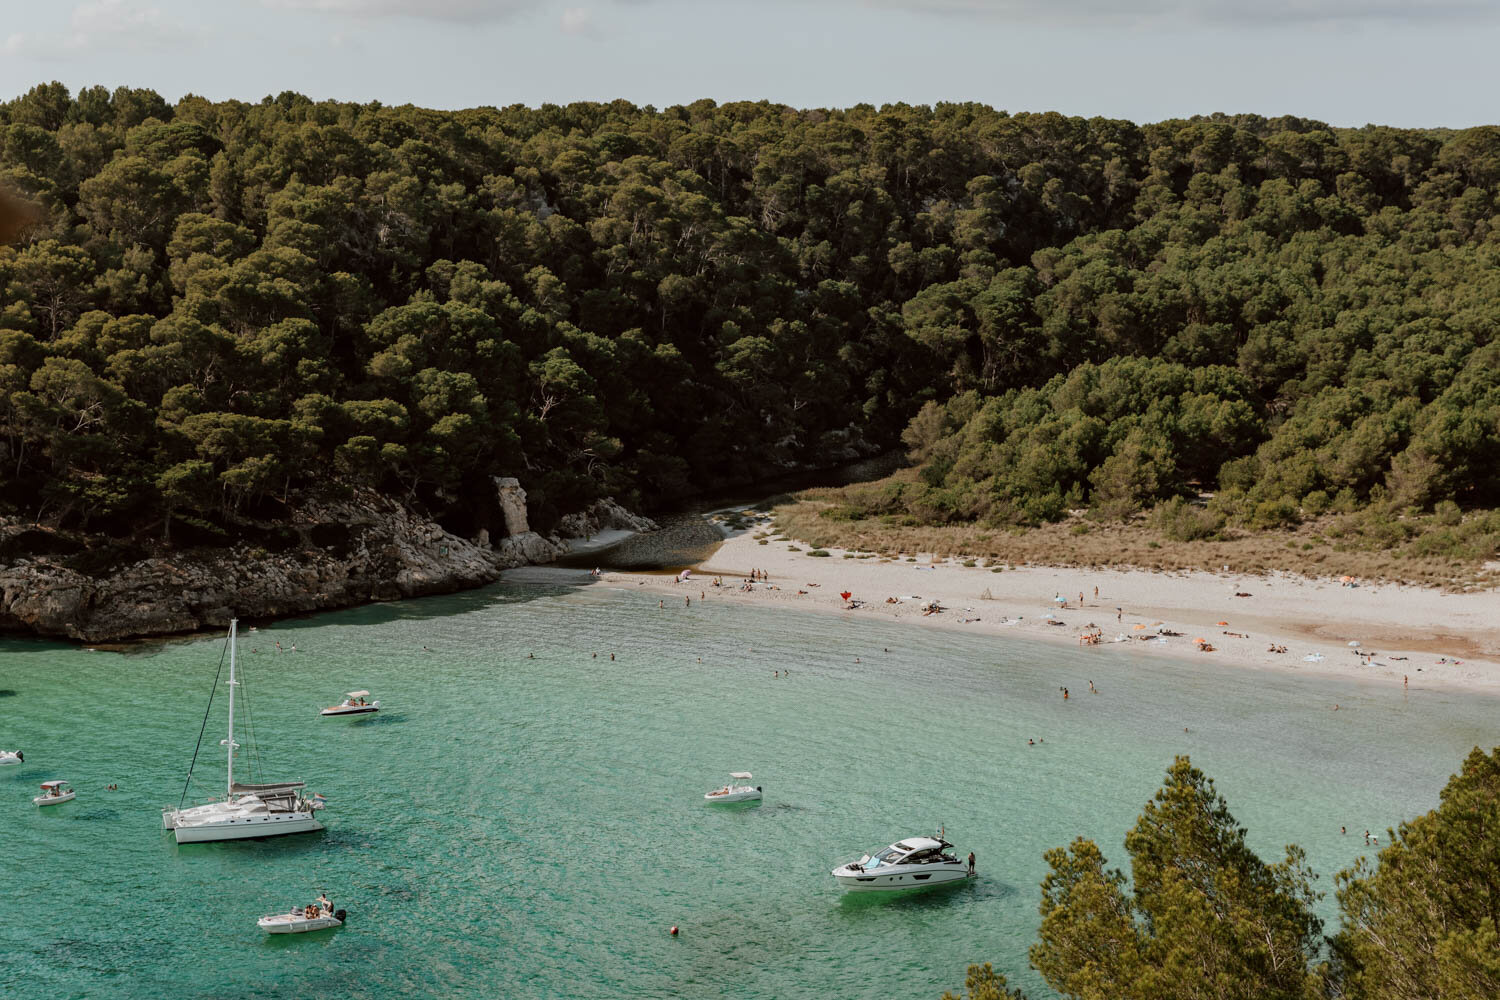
(323, 902)
(971, 862)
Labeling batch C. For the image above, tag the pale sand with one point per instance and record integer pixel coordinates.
(1305, 615)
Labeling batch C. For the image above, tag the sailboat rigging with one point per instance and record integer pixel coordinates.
(247, 810)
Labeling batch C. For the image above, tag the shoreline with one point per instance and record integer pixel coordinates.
(1408, 629)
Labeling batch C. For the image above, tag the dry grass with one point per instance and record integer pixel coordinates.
(1330, 546)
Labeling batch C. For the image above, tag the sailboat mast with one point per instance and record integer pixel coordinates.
(233, 623)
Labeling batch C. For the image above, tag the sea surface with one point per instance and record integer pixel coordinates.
(518, 827)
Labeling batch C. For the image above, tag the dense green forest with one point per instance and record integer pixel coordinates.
(221, 305)
(1201, 917)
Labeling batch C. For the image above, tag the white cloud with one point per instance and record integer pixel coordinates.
(1265, 13)
(466, 11)
(96, 25)
(578, 21)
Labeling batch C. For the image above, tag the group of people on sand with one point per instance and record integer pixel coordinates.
(1273, 648)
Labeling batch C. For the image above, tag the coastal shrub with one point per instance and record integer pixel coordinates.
(823, 553)
(1182, 521)
(763, 541)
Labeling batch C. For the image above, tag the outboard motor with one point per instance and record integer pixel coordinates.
(20, 757)
(758, 788)
(339, 915)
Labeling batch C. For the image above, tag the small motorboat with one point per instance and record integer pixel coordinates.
(316, 916)
(732, 792)
(54, 793)
(354, 703)
(11, 757)
(913, 863)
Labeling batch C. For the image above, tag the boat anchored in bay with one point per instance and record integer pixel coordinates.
(743, 792)
(248, 810)
(354, 703)
(54, 793)
(913, 863)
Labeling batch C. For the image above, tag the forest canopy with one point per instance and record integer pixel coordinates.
(223, 304)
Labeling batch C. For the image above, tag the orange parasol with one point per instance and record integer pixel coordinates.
(1200, 641)
(1223, 623)
(1137, 627)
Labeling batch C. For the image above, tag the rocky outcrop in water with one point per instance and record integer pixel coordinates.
(330, 554)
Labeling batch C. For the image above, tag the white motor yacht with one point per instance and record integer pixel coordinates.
(249, 810)
(739, 789)
(913, 863)
(54, 793)
(11, 757)
(354, 703)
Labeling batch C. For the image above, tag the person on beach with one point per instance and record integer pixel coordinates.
(687, 602)
(1096, 593)
(1065, 694)
(1080, 598)
(1119, 614)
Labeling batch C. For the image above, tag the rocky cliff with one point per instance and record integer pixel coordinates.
(331, 554)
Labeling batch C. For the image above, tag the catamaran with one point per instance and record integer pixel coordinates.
(261, 810)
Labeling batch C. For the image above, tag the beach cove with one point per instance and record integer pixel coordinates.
(533, 826)
(1418, 636)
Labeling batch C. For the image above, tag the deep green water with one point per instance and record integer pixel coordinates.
(509, 827)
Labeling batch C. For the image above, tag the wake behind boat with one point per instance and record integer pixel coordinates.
(248, 810)
(743, 792)
(354, 703)
(913, 863)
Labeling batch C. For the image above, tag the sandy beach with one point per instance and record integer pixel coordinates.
(1420, 636)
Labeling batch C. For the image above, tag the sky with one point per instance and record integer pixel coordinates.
(1409, 63)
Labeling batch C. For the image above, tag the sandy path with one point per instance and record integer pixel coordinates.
(1309, 617)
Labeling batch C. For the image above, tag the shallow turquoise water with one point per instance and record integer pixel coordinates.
(531, 828)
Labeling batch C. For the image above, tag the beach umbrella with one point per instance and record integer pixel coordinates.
(1346, 579)
(1137, 627)
(1354, 642)
(1223, 623)
(1060, 600)
(1200, 641)
(846, 594)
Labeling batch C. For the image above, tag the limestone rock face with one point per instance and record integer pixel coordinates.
(602, 515)
(335, 554)
(512, 504)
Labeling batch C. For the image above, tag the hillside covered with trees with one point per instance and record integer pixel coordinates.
(224, 304)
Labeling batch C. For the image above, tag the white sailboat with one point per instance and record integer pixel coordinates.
(264, 810)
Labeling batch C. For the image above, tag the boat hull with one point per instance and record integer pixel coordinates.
(285, 923)
(245, 828)
(913, 877)
(53, 800)
(730, 797)
(355, 710)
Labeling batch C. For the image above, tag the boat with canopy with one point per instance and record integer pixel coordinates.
(739, 789)
(54, 793)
